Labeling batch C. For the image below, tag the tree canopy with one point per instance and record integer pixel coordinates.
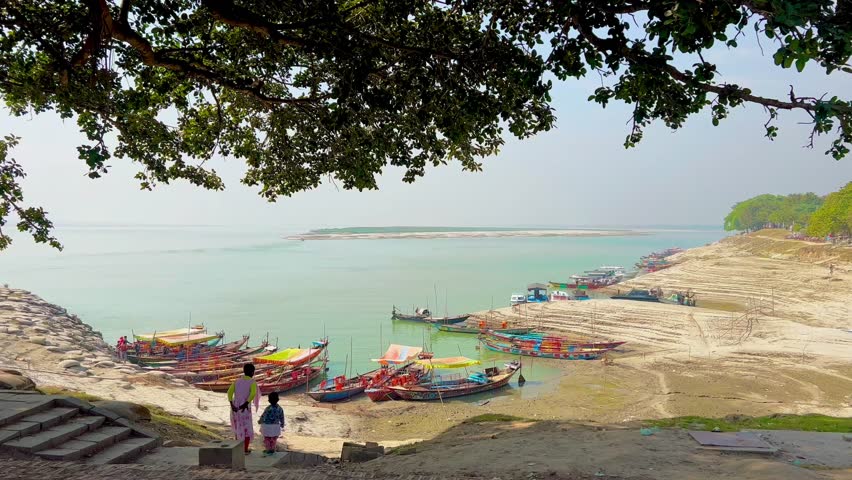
(835, 214)
(778, 210)
(309, 90)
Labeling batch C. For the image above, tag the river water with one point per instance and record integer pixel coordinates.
(251, 281)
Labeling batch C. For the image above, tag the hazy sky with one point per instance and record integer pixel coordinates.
(577, 174)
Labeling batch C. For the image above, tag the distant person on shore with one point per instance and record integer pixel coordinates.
(241, 394)
(271, 424)
(121, 349)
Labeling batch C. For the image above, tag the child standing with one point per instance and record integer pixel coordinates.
(271, 424)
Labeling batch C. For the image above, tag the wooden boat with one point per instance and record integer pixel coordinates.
(279, 379)
(204, 362)
(425, 316)
(289, 379)
(179, 353)
(224, 372)
(546, 346)
(638, 295)
(477, 330)
(292, 357)
(491, 379)
(401, 357)
(562, 296)
(342, 388)
(147, 337)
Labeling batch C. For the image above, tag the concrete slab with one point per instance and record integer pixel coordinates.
(829, 450)
(25, 428)
(123, 451)
(92, 422)
(46, 439)
(8, 435)
(226, 453)
(106, 436)
(11, 412)
(68, 451)
(51, 417)
(747, 442)
(72, 402)
(11, 397)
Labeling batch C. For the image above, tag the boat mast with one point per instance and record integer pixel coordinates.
(435, 287)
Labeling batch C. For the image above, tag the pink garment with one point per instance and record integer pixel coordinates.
(241, 422)
(269, 443)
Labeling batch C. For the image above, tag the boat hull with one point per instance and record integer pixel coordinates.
(474, 330)
(424, 319)
(426, 394)
(636, 299)
(533, 338)
(381, 394)
(336, 395)
(580, 355)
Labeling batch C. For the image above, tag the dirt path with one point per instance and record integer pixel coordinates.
(560, 449)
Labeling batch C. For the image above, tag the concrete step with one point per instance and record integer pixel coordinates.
(46, 438)
(105, 436)
(51, 417)
(124, 451)
(13, 411)
(93, 422)
(69, 451)
(22, 427)
(86, 444)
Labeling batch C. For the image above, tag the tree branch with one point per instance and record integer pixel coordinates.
(121, 31)
(619, 48)
(124, 11)
(226, 12)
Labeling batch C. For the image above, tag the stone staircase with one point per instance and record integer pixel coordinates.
(62, 428)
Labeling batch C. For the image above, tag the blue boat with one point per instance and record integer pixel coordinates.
(341, 388)
(537, 293)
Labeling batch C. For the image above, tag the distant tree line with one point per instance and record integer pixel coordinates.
(806, 212)
(773, 211)
(834, 216)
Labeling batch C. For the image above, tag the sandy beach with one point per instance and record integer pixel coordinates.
(769, 335)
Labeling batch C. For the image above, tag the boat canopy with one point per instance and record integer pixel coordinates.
(147, 337)
(449, 362)
(191, 339)
(398, 354)
(536, 286)
(290, 356)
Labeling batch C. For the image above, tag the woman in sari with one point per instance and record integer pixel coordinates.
(242, 393)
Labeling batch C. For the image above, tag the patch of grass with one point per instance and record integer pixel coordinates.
(496, 417)
(184, 430)
(49, 390)
(734, 423)
(408, 449)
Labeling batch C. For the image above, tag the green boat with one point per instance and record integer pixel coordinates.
(476, 330)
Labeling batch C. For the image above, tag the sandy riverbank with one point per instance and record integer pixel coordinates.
(769, 336)
(463, 234)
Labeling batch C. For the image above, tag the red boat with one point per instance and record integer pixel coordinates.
(380, 389)
(288, 379)
(397, 355)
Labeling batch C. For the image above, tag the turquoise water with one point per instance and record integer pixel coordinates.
(125, 279)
